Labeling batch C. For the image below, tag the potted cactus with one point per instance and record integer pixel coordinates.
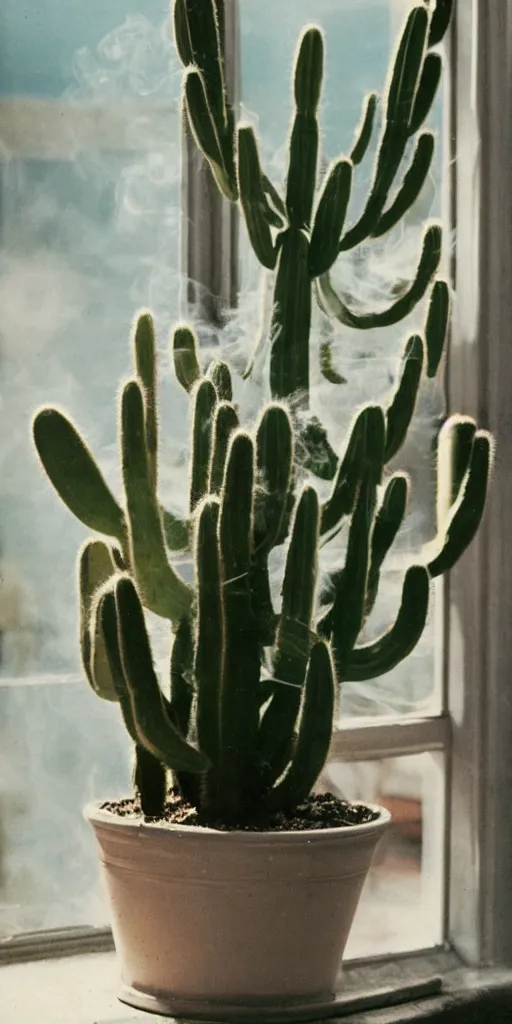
(232, 885)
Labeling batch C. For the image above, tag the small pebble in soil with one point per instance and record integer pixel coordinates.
(319, 811)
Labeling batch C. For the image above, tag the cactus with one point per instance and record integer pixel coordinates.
(299, 231)
(245, 729)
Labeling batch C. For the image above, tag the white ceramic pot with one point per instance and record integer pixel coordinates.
(223, 925)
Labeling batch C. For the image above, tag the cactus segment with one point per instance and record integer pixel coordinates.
(152, 723)
(164, 592)
(365, 444)
(274, 457)
(314, 733)
(364, 130)
(75, 475)
(454, 447)
(427, 89)
(293, 639)
(291, 318)
(175, 531)
(186, 363)
(220, 376)
(302, 170)
(440, 21)
(350, 598)
(400, 412)
(467, 512)
(239, 711)
(108, 622)
(388, 521)
(252, 197)
(208, 652)
(145, 366)
(149, 782)
(412, 185)
(274, 198)
(225, 422)
(182, 39)
(375, 659)
(427, 267)
(206, 45)
(330, 218)
(437, 325)
(181, 669)
(95, 567)
(204, 411)
(205, 134)
(309, 71)
(407, 70)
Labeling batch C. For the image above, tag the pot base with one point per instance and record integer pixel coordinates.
(228, 1012)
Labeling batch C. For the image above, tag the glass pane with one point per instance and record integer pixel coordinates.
(360, 38)
(401, 907)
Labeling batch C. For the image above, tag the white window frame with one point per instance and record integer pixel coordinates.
(474, 730)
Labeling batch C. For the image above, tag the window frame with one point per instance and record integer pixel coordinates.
(474, 729)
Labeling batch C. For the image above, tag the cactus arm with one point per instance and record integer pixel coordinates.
(182, 38)
(145, 365)
(205, 133)
(303, 146)
(186, 363)
(326, 365)
(437, 325)
(95, 567)
(181, 669)
(204, 411)
(314, 732)
(427, 267)
(252, 198)
(274, 198)
(364, 435)
(388, 521)
(149, 782)
(75, 475)
(241, 656)
(108, 624)
(467, 512)
(440, 21)
(427, 89)
(400, 412)
(364, 130)
(411, 187)
(274, 459)
(350, 598)
(152, 723)
(373, 660)
(293, 637)
(225, 422)
(454, 447)
(206, 45)
(208, 654)
(164, 592)
(330, 218)
(291, 318)
(220, 376)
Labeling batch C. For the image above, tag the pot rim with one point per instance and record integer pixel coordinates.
(96, 815)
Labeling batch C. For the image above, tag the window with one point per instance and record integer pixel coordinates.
(95, 190)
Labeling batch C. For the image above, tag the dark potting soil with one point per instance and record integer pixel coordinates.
(319, 811)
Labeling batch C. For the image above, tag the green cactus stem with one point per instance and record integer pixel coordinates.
(252, 198)
(164, 592)
(186, 362)
(224, 424)
(145, 366)
(314, 732)
(401, 409)
(291, 318)
(364, 130)
(220, 376)
(437, 325)
(440, 21)
(411, 187)
(454, 447)
(303, 146)
(75, 475)
(330, 218)
(466, 514)
(149, 782)
(204, 411)
(388, 521)
(208, 655)
(96, 566)
(153, 725)
(375, 659)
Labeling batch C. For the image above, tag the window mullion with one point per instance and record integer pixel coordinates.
(383, 739)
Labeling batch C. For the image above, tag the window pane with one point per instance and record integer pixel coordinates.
(401, 907)
(359, 40)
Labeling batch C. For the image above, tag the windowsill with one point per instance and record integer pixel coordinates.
(82, 989)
